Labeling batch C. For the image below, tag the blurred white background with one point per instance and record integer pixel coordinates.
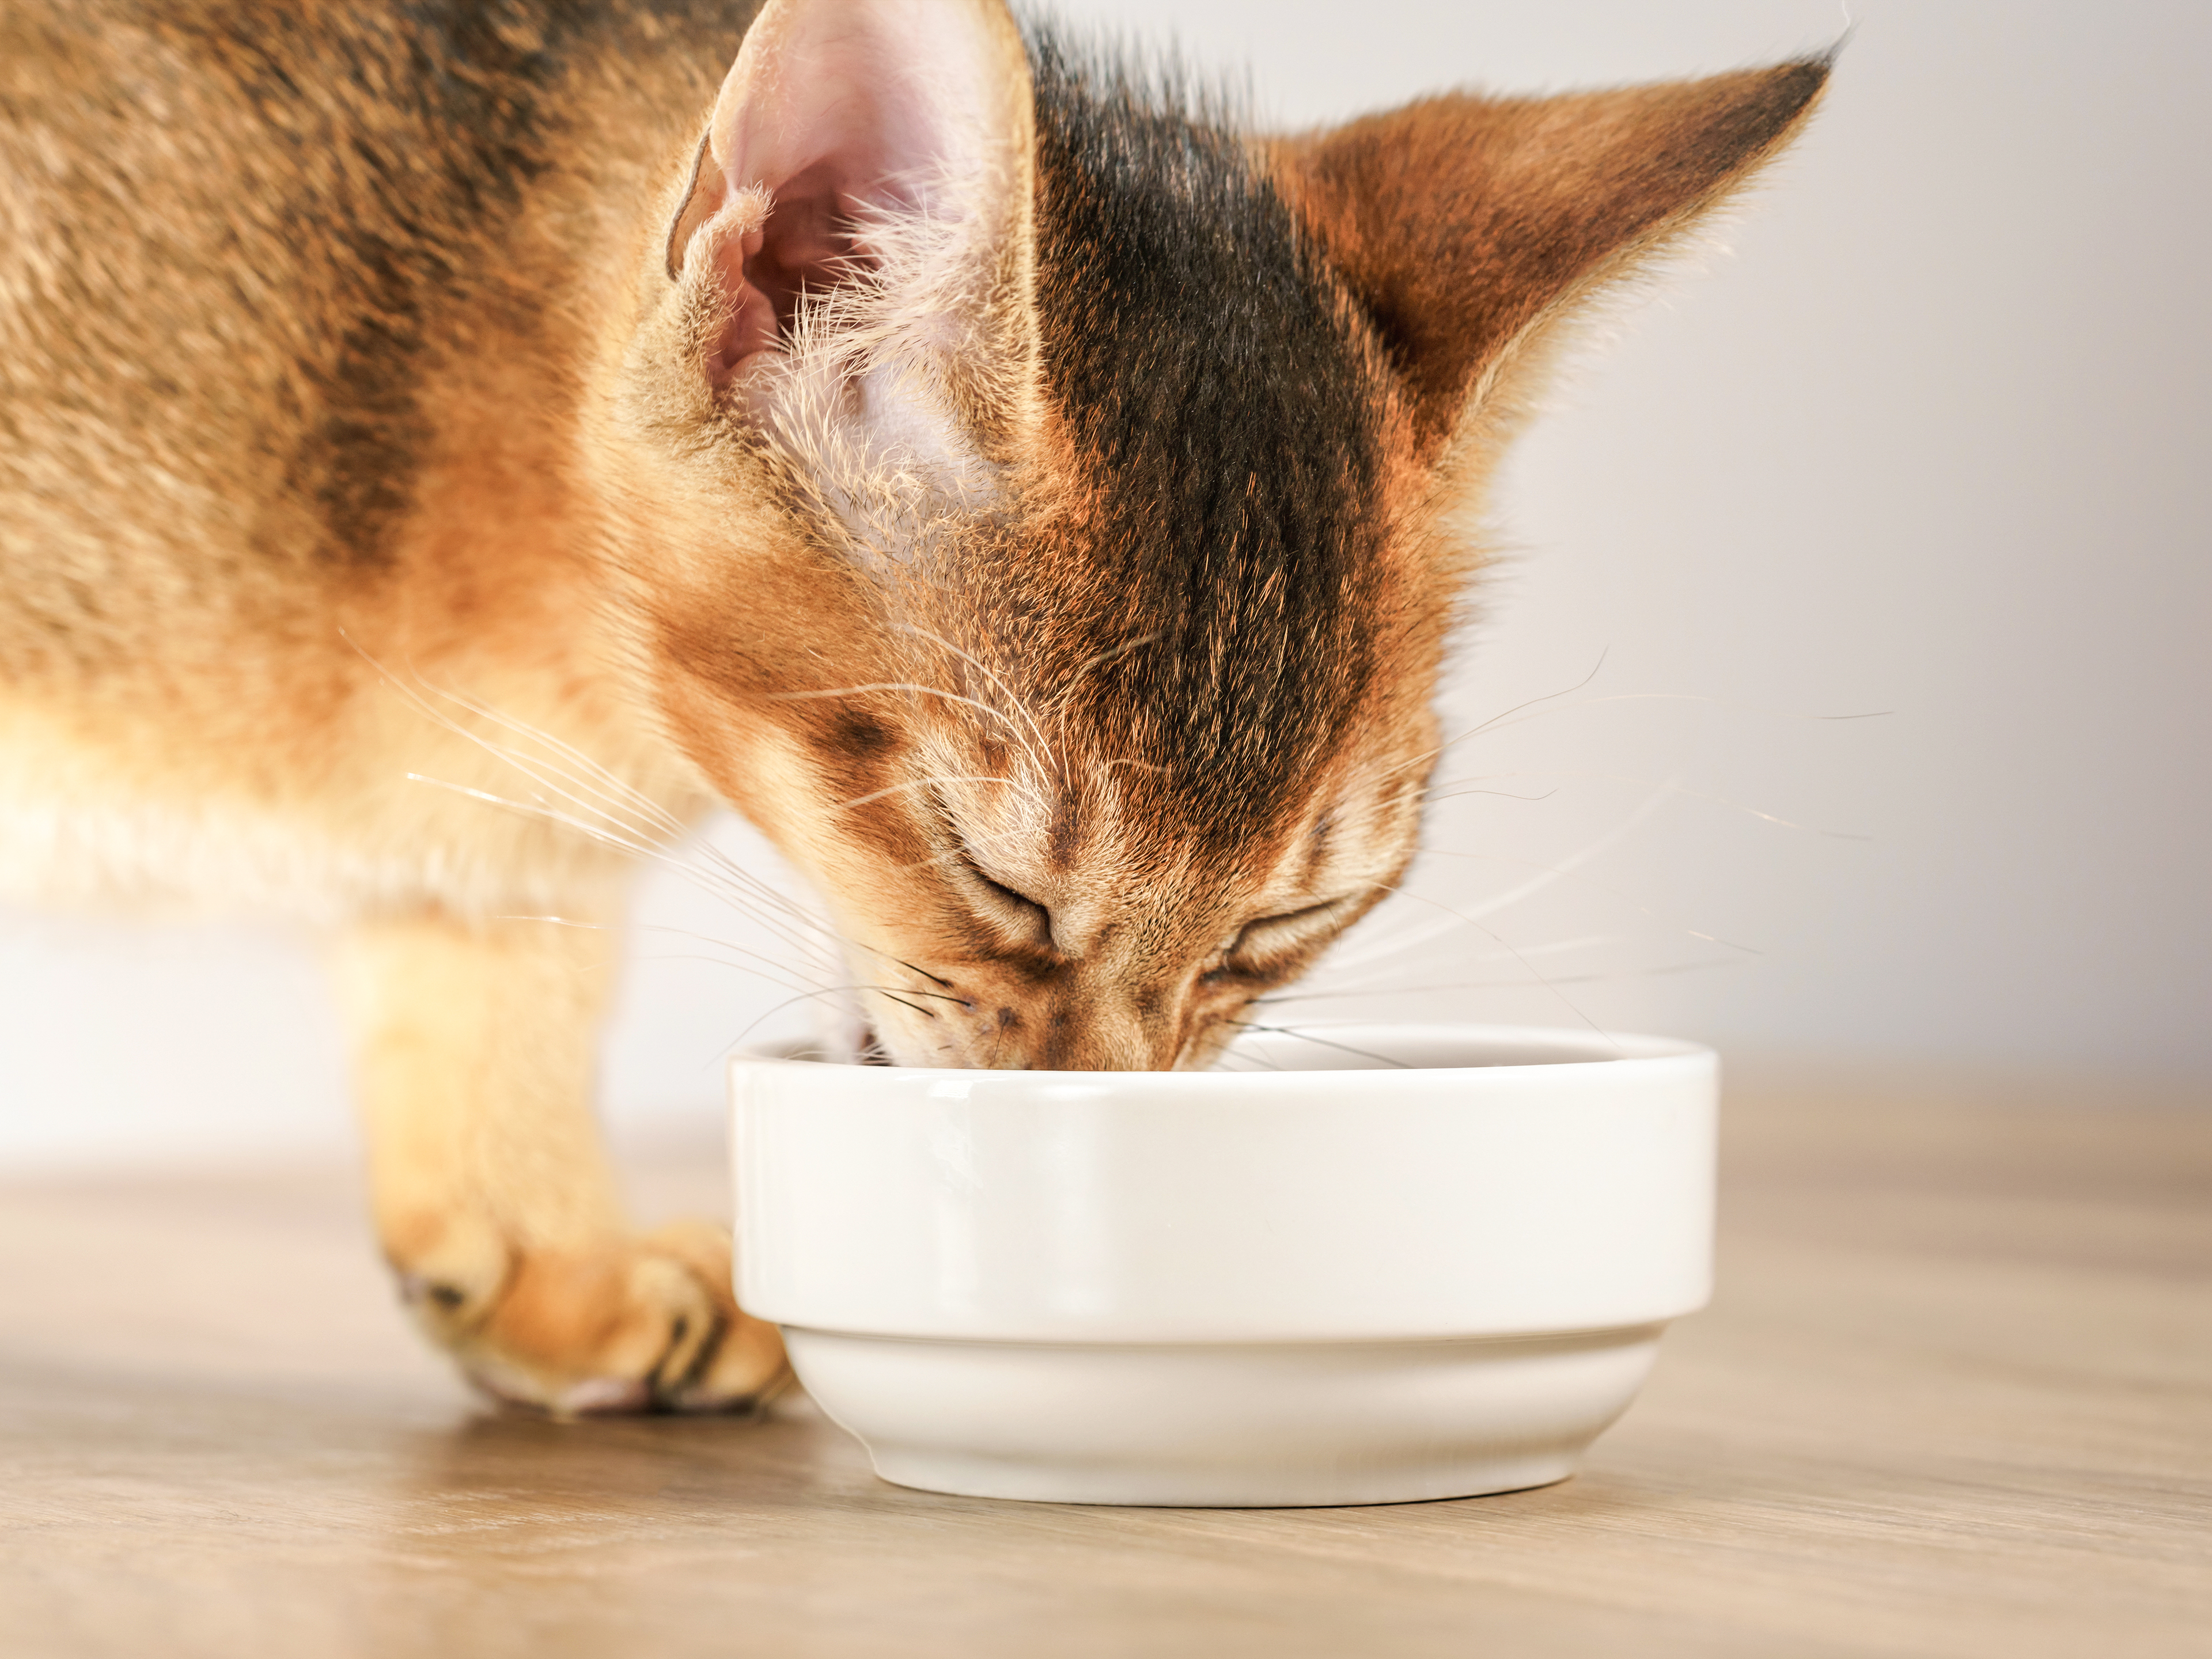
(1926, 442)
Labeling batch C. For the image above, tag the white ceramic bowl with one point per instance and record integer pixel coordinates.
(1424, 1263)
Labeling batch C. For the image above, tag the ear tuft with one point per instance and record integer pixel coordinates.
(849, 122)
(1465, 224)
(858, 224)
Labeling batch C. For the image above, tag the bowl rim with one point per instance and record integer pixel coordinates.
(1630, 1049)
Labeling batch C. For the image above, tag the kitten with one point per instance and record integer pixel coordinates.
(1025, 495)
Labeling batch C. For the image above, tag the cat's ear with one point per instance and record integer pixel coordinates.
(862, 198)
(1468, 227)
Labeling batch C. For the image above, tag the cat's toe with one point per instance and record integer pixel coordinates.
(737, 1365)
(635, 1325)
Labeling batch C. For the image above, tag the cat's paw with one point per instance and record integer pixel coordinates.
(630, 1325)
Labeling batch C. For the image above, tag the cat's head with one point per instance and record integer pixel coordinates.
(1044, 500)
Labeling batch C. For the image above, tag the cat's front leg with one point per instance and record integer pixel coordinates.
(474, 1047)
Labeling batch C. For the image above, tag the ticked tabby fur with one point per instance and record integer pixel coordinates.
(1031, 499)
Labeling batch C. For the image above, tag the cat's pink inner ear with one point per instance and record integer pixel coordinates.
(844, 111)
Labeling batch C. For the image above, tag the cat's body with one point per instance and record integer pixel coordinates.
(1029, 502)
(297, 335)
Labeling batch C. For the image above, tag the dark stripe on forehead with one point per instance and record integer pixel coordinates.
(1222, 414)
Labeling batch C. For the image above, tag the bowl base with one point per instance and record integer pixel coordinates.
(1225, 1425)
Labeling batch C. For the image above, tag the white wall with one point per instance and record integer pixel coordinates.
(1927, 442)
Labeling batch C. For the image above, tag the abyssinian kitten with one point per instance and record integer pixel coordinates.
(1025, 495)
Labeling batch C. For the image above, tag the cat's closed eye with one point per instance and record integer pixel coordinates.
(1025, 918)
(1273, 945)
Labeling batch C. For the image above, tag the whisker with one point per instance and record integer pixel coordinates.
(1380, 948)
(1688, 696)
(1501, 794)
(709, 938)
(1512, 895)
(1533, 972)
(770, 1013)
(1501, 724)
(1548, 874)
(685, 932)
(620, 808)
(539, 810)
(1507, 717)
(1294, 1033)
(1606, 842)
(1729, 702)
(920, 783)
(1325, 973)
(526, 765)
(874, 1043)
(1611, 892)
(1258, 1061)
(1496, 984)
(1044, 741)
(718, 962)
(606, 838)
(660, 830)
(1476, 731)
(744, 880)
(638, 798)
(1691, 794)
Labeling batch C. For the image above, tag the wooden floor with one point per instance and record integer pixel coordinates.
(1955, 1398)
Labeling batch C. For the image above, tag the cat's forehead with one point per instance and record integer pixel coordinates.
(1221, 409)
